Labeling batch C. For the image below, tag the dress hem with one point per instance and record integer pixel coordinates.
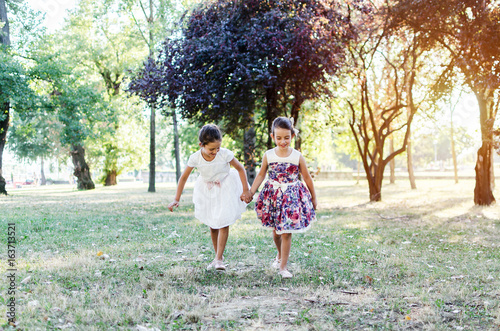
(217, 227)
(292, 231)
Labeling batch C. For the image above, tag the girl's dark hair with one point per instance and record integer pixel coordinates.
(283, 123)
(209, 133)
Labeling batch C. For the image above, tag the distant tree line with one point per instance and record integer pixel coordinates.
(368, 67)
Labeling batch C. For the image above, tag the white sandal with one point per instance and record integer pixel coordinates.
(211, 265)
(285, 273)
(219, 265)
(276, 263)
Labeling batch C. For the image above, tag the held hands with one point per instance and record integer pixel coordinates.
(246, 196)
(249, 197)
(173, 204)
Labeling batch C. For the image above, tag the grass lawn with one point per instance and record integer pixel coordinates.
(423, 259)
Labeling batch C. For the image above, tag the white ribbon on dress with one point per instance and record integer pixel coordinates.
(213, 183)
(280, 189)
(216, 182)
(283, 186)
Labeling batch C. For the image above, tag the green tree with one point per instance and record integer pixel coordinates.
(15, 94)
(74, 99)
(384, 69)
(34, 131)
(111, 38)
(32, 134)
(35, 137)
(153, 21)
(232, 58)
(469, 32)
(5, 98)
(100, 37)
(125, 142)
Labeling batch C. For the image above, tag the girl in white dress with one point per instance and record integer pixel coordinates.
(217, 189)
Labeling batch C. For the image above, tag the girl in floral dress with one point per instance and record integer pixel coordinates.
(218, 190)
(284, 204)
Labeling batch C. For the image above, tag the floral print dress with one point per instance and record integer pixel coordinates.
(284, 202)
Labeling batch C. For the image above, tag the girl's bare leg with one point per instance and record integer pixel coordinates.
(221, 242)
(214, 233)
(277, 242)
(286, 244)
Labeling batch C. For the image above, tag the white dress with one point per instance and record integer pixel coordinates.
(217, 190)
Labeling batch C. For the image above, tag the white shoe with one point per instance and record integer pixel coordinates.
(211, 265)
(276, 263)
(285, 273)
(219, 265)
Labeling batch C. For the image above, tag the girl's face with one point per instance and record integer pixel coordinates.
(282, 138)
(210, 150)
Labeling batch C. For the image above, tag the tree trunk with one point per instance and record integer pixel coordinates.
(271, 113)
(357, 178)
(111, 178)
(110, 164)
(110, 161)
(152, 129)
(43, 180)
(298, 142)
(492, 169)
(4, 107)
(82, 171)
(483, 194)
(375, 186)
(375, 175)
(409, 161)
(453, 153)
(5, 32)
(375, 192)
(176, 149)
(3, 183)
(4, 126)
(152, 153)
(295, 115)
(392, 163)
(249, 149)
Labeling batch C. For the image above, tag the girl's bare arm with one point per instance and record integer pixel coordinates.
(308, 180)
(260, 176)
(243, 175)
(180, 188)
